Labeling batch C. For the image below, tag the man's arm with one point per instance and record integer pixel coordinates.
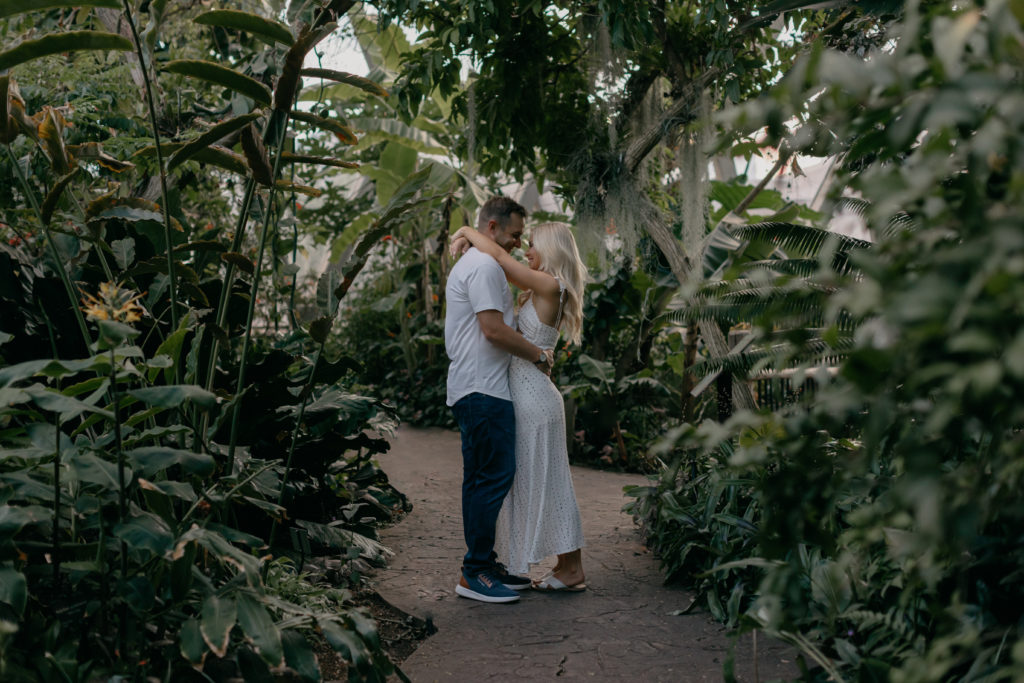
(505, 338)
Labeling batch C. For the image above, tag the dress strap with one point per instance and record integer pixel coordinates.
(561, 299)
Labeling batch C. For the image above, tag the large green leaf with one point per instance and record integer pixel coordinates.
(289, 158)
(193, 147)
(343, 132)
(54, 195)
(59, 43)
(14, 518)
(193, 647)
(152, 459)
(351, 79)
(13, 589)
(223, 76)
(270, 31)
(259, 627)
(9, 8)
(384, 49)
(145, 531)
(218, 618)
(174, 395)
(88, 468)
(345, 642)
(299, 655)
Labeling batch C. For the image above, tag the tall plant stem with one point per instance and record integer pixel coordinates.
(306, 391)
(56, 502)
(279, 126)
(58, 262)
(122, 498)
(172, 287)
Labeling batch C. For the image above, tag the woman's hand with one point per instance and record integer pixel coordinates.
(459, 246)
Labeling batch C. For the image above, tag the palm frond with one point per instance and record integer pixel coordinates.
(774, 358)
(799, 239)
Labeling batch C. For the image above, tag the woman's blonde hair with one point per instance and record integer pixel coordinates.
(560, 258)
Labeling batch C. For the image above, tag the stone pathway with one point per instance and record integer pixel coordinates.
(622, 629)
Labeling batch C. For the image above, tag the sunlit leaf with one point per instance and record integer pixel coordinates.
(351, 79)
(285, 186)
(58, 43)
(268, 30)
(9, 8)
(289, 158)
(211, 136)
(241, 261)
(343, 132)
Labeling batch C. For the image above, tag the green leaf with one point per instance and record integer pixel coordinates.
(172, 489)
(9, 8)
(241, 261)
(289, 158)
(602, 371)
(15, 518)
(299, 655)
(351, 79)
(174, 395)
(222, 76)
(54, 195)
(57, 43)
(88, 468)
(270, 31)
(49, 399)
(343, 132)
(114, 333)
(124, 252)
(320, 328)
(146, 531)
(211, 136)
(152, 459)
(218, 617)
(260, 629)
(346, 643)
(193, 647)
(13, 589)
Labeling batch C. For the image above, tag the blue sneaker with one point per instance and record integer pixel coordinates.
(516, 583)
(485, 588)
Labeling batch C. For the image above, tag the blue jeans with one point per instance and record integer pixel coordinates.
(488, 427)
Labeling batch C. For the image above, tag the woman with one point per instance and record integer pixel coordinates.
(540, 516)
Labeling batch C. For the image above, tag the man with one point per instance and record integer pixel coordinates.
(479, 340)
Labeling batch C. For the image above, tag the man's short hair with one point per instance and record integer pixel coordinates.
(500, 209)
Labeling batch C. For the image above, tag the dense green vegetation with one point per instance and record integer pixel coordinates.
(183, 407)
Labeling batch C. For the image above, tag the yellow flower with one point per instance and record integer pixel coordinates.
(113, 303)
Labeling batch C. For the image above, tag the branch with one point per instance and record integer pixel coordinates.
(679, 114)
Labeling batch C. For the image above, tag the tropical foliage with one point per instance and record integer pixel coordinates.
(158, 447)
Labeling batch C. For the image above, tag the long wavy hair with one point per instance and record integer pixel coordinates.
(560, 258)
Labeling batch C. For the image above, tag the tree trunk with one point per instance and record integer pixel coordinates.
(716, 342)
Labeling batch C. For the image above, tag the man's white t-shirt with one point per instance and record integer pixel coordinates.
(476, 283)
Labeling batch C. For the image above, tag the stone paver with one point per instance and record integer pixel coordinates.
(621, 629)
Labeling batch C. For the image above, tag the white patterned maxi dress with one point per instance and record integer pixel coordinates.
(540, 516)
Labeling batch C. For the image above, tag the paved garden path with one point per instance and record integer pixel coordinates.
(622, 629)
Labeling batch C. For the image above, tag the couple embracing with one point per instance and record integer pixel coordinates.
(517, 491)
